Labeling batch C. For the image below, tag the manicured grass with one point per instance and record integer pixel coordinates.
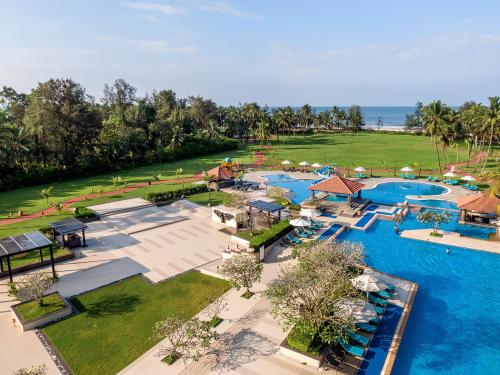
(32, 310)
(34, 257)
(116, 322)
(29, 200)
(31, 224)
(217, 197)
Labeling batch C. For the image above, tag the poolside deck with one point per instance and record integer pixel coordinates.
(453, 239)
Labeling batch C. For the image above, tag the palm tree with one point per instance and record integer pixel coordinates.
(178, 173)
(157, 178)
(436, 116)
(305, 117)
(493, 122)
(176, 120)
(262, 132)
(473, 119)
(115, 180)
(58, 207)
(46, 193)
(207, 178)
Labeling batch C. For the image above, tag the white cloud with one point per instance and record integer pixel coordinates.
(151, 45)
(164, 9)
(224, 7)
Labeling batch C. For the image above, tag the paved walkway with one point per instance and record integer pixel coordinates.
(453, 239)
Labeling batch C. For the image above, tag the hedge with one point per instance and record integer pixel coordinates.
(304, 342)
(268, 236)
(165, 196)
(84, 213)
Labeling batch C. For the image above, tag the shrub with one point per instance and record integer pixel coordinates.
(84, 213)
(268, 236)
(304, 341)
(165, 196)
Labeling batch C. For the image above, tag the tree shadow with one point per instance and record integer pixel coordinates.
(117, 304)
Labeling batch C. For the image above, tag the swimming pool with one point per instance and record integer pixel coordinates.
(455, 322)
(384, 193)
(329, 232)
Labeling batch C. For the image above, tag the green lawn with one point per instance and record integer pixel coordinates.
(116, 322)
(34, 257)
(32, 310)
(217, 197)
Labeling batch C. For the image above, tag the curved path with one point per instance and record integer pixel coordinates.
(71, 201)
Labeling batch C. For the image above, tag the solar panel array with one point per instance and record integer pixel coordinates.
(70, 225)
(22, 243)
(265, 206)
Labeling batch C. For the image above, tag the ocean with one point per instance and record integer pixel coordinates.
(393, 117)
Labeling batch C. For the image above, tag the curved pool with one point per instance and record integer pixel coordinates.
(384, 193)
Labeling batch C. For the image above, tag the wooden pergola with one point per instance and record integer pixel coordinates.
(24, 243)
(269, 207)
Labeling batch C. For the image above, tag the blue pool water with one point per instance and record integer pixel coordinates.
(384, 193)
(364, 220)
(329, 232)
(454, 327)
(379, 346)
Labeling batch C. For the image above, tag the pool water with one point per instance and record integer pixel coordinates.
(298, 187)
(454, 326)
(329, 232)
(364, 220)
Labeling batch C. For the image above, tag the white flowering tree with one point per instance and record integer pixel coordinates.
(435, 218)
(186, 339)
(33, 286)
(242, 271)
(35, 370)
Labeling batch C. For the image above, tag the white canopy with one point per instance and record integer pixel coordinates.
(286, 162)
(303, 163)
(368, 283)
(358, 309)
(300, 223)
(468, 178)
(309, 212)
(360, 169)
(406, 169)
(450, 174)
(316, 165)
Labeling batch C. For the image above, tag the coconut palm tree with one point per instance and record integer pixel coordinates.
(436, 117)
(262, 132)
(493, 122)
(157, 178)
(473, 119)
(58, 207)
(178, 173)
(207, 178)
(47, 193)
(115, 180)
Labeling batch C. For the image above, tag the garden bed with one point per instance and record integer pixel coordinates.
(267, 236)
(30, 314)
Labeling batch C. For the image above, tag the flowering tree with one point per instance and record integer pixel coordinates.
(434, 217)
(306, 294)
(216, 307)
(33, 286)
(38, 370)
(242, 270)
(186, 339)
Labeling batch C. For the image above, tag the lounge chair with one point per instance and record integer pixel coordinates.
(402, 175)
(360, 339)
(360, 175)
(375, 320)
(436, 179)
(366, 327)
(384, 294)
(306, 231)
(379, 310)
(430, 178)
(354, 350)
(411, 177)
(454, 182)
(300, 234)
(318, 223)
(376, 300)
(391, 288)
(293, 239)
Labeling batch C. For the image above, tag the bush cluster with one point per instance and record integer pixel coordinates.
(268, 236)
(84, 213)
(165, 196)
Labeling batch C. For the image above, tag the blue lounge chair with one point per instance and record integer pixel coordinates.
(354, 350)
(306, 231)
(293, 239)
(375, 320)
(430, 178)
(366, 327)
(411, 177)
(384, 294)
(300, 234)
(318, 223)
(453, 182)
(435, 179)
(360, 175)
(391, 288)
(379, 310)
(376, 300)
(402, 175)
(360, 339)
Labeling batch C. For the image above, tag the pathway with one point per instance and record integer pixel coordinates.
(68, 203)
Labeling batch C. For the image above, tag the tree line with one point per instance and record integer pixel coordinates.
(475, 124)
(58, 130)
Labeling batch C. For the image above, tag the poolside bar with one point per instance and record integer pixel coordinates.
(479, 209)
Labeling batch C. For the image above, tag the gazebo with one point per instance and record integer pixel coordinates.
(482, 209)
(66, 227)
(24, 243)
(338, 185)
(269, 207)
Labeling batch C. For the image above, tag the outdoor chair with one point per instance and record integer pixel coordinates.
(379, 310)
(300, 234)
(384, 294)
(360, 339)
(366, 327)
(293, 239)
(354, 350)
(318, 223)
(376, 300)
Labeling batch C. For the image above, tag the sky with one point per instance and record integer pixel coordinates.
(275, 52)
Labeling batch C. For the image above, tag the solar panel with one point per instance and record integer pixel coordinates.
(68, 225)
(22, 243)
(265, 206)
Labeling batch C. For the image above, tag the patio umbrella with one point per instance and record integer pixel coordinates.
(300, 223)
(360, 169)
(406, 169)
(368, 283)
(317, 165)
(286, 162)
(228, 160)
(358, 309)
(309, 212)
(450, 174)
(304, 164)
(468, 178)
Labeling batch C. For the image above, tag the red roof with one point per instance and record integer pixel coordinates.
(338, 185)
(220, 173)
(483, 203)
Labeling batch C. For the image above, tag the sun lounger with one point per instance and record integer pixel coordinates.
(366, 327)
(375, 320)
(354, 350)
(391, 288)
(402, 175)
(293, 239)
(360, 175)
(300, 234)
(376, 300)
(379, 310)
(411, 177)
(384, 294)
(360, 339)
(318, 223)
(304, 230)
(430, 178)
(454, 182)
